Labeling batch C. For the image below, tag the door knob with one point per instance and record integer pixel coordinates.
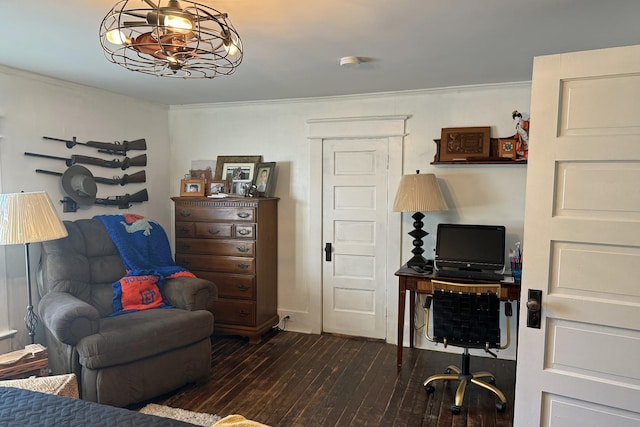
(534, 308)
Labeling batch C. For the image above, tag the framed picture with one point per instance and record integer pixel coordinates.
(507, 148)
(192, 187)
(222, 160)
(240, 187)
(264, 178)
(204, 164)
(203, 174)
(464, 143)
(217, 186)
(238, 171)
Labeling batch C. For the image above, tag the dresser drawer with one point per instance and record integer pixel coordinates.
(222, 264)
(238, 286)
(205, 213)
(234, 312)
(244, 231)
(245, 248)
(185, 229)
(213, 230)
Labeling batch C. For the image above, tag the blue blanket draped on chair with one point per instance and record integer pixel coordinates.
(146, 255)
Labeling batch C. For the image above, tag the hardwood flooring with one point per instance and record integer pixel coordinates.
(294, 379)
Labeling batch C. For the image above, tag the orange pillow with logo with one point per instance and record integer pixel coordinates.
(138, 293)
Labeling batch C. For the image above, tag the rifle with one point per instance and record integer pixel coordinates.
(124, 180)
(123, 164)
(122, 202)
(118, 148)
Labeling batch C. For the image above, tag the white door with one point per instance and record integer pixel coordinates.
(582, 243)
(354, 187)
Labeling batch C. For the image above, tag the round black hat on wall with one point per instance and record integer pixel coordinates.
(78, 183)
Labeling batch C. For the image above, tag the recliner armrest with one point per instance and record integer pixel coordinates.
(68, 318)
(189, 293)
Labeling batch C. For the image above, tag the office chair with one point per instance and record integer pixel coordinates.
(468, 316)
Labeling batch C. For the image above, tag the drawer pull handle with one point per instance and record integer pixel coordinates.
(243, 249)
(243, 288)
(185, 230)
(185, 246)
(243, 313)
(243, 266)
(214, 231)
(185, 213)
(244, 232)
(183, 262)
(243, 215)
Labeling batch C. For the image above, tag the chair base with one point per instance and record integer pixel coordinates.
(465, 377)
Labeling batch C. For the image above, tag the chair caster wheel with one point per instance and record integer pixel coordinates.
(447, 371)
(429, 388)
(455, 410)
(500, 407)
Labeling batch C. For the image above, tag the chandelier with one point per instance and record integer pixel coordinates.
(166, 39)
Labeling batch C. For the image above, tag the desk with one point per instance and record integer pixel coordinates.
(409, 280)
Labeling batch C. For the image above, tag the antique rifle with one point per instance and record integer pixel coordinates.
(123, 180)
(122, 202)
(123, 164)
(118, 148)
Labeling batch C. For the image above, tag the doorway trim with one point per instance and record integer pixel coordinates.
(393, 129)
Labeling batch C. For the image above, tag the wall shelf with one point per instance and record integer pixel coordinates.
(493, 158)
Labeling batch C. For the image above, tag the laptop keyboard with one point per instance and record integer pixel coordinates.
(478, 275)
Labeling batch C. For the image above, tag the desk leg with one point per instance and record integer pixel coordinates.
(412, 316)
(402, 292)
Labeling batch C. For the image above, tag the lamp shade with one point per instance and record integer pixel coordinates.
(419, 193)
(28, 218)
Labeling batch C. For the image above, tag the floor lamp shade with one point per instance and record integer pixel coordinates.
(419, 193)
(28, 218)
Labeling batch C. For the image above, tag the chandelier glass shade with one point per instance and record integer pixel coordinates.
(170, 39)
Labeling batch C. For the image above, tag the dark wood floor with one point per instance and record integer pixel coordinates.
(293, 379)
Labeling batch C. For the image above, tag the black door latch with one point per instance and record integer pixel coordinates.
(327, 252)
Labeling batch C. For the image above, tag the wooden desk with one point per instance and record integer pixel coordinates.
(409, 280)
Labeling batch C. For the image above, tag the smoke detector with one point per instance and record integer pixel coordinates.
(350, 60)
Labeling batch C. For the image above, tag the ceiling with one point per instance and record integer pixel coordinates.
(292, 48)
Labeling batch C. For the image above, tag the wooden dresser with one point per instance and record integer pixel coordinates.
(234, 243)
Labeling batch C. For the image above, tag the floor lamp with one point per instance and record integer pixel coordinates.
(29, 218)
(419, 193)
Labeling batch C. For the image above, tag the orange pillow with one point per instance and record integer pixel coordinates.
(137, 293)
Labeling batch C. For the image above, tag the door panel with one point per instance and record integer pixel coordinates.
(565, 412)
(598, 190)
(582, 243)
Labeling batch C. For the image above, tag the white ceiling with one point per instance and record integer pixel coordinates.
(292, 48)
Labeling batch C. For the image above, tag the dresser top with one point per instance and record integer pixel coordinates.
(226, 201)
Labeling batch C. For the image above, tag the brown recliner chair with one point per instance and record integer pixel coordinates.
(128, 358)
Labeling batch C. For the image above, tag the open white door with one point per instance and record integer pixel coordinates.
(582, 243)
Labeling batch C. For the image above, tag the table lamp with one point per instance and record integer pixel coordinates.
(29, 218)
(419, 193)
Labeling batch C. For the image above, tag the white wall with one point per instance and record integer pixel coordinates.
(486, 194)
(33, 106)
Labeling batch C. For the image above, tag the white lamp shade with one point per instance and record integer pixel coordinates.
(28, 218)
(419, 193)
